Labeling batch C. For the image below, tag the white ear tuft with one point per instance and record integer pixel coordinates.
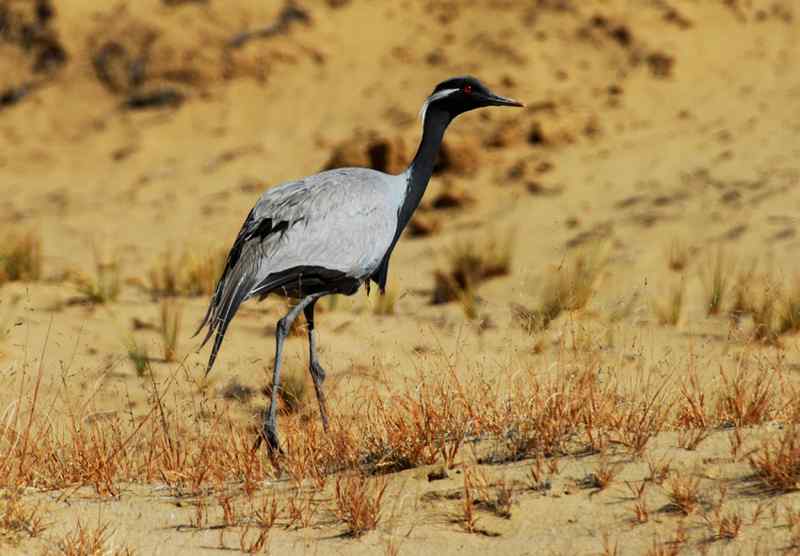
(438, 95)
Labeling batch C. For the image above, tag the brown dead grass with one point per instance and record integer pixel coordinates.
(18, 518)
(21, 258)
(358, 502)
(194, 273)
(88, 541)
(567, 287)
(777, 462)
(575, 411)
(469, 264)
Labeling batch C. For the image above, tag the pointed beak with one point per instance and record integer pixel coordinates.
(496, 100)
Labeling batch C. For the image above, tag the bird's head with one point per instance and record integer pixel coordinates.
(462, 94)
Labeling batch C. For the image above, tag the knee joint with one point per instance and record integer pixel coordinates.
(318, 371)
(283, 327)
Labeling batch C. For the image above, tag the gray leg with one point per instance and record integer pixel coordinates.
(269, 430)
(317, 372)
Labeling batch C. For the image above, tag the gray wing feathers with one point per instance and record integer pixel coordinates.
(343, 220)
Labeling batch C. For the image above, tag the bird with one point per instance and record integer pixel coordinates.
(330, 233)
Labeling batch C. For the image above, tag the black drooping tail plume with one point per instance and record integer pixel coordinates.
(232, 290)
(235, 284)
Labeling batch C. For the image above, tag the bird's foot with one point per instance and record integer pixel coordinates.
(269, 433)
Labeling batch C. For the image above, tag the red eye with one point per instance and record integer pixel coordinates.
(468, 89)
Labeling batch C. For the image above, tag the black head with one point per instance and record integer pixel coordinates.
(461, 94)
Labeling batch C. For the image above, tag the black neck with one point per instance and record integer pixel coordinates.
(421, 168)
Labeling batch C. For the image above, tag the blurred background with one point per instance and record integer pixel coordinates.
(657, 156)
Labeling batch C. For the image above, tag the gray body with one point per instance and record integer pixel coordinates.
(329, 232)
(343, 220)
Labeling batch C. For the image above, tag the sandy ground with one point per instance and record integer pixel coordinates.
(647, 123)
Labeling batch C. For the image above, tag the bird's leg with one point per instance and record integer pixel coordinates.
(317, 372)
(269, 430)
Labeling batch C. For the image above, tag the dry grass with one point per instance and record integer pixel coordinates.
(749, 397)
(469, 517)
(358, 502)
(469, 264)
(658, 470)
(87, 541)
(576, 410)
(18, 519)
(777, 462)
(724, 525)
(21, 258)
(567, 287)
(385, 304)
(480, 493)
(423, 424)
(772, 307)
(138, 356)
(789, 310)
(793, 525)
(293, 389)
(604, 474)
(105, 284)
(541, 473)
(678, 255)
(715, 275)
(608, 548)
(170, 328)
(641, 514)
(683, 492)
(669, 310)
(690, 439)
(671, 547)
(194, 273)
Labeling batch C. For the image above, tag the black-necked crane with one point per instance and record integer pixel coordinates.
(331, 233)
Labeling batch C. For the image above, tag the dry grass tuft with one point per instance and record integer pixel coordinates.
(683, 492)
(105, 285)
(793, 525)
(772, 307)
(724, 525)
(669, 310)
(470, 264)
(358, 501)
(748, 398)
(21, 258)
(138, 355)
(641, 514)
(604, 474)
(191, 274)
(608, 548)
(469, 515)
(293, 390)
(540, 474)
(678, 255)
(480, 493)
(567, 287)
(668, 548)
(777, 462)
(715, 276)
(85, 541)
(170, 328)
(18, 519)
(658, 471)
(789, 310)
(385, 304)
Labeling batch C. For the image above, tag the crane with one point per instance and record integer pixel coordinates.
(330, 233)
